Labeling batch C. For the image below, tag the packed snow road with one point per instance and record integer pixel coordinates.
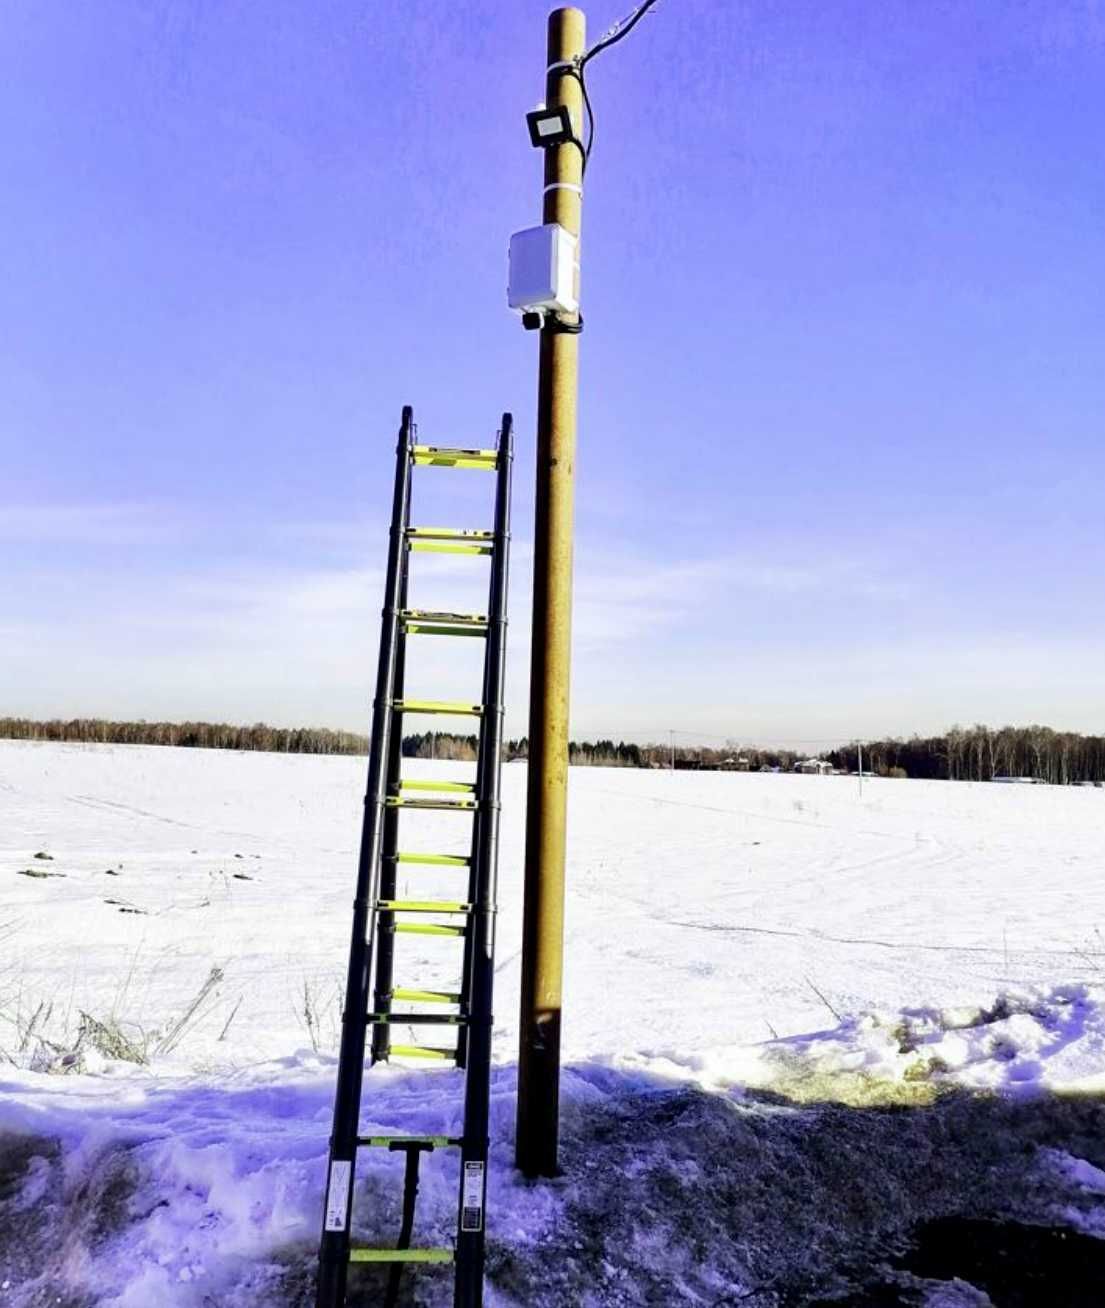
(762, 972)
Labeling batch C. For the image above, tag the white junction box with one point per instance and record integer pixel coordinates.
(542, 270)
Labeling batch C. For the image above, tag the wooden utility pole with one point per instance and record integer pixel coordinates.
(550, 661)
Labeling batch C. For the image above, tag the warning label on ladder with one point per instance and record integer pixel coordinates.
(337, 1196)
(471, 1216)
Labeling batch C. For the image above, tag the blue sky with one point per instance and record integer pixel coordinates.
(840, 464)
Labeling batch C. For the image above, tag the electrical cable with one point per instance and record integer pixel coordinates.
(578, 74)
(618, 32)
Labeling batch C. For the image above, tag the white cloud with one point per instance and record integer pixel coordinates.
(620, 599)
(749, 645)
(87, 524)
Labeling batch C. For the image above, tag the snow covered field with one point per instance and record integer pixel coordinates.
(763, 973)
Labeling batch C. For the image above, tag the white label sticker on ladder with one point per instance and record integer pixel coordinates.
(471, 1217)
(337, 1196)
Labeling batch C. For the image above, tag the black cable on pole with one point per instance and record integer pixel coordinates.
(618, 32)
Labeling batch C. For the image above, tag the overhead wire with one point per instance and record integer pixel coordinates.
(620, 30)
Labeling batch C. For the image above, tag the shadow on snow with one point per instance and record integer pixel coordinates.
(210, 1198)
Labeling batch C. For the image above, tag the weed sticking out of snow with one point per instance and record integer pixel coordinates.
(49, 1037)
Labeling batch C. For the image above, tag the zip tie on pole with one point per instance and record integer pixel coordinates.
(563, 186)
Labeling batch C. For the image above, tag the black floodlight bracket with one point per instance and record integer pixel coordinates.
(552, 322)
(548, 127)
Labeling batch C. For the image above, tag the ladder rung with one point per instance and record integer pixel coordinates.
(400, 1255)
(456, 708)
(403, 995)
(437, 547)
(400, 801)
(427, 929)
(448, 533)
(435, 860)
(464, 787)
(427, 629)
(386, 1141)
(444, 618)
(417, 1019)
(423, 1051)
(422, 906)
(441, 457)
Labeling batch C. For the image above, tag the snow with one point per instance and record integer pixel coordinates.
(734, 941)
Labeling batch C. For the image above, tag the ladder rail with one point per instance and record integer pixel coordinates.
(480, 942)
(379, 914)
(334, 1245)
(389, 869)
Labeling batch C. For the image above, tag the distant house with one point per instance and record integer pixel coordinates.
(814, 767)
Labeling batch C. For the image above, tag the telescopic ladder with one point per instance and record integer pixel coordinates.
(379, 916)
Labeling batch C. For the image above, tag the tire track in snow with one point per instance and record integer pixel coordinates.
(860, 940)
(758, 815)
(114, 808)
(127, 810)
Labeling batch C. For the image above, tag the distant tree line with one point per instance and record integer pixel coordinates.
(977, 753)
(980, 753)
(604, 753)
(221, 735)
(587, 753)
(189, 735)
(607, 754)
(440, 744)
(323, 740)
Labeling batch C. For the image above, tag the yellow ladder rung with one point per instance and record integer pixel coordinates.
(403, 995)
(427, 629)
(435, 547)
(435, 860)
(422, 906)
(448, 707)
(458, 805)
(448, 533)
(444, 618)
(439, 456)
(384, 1141)
(422, 1051)
(417, 1019)
(462, 787)
(400, 1255)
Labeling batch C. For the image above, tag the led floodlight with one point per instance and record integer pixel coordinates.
(549, 127)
